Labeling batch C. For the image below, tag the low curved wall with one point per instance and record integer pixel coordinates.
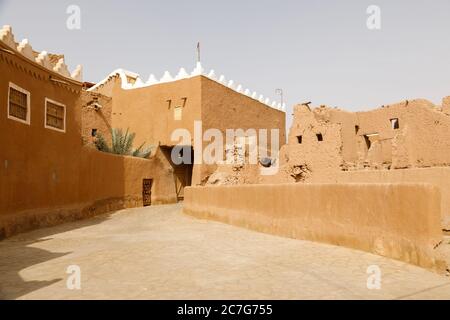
(400, 221)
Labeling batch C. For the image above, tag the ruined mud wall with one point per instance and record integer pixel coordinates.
(399, 221)
(314, 148)
(96, 114)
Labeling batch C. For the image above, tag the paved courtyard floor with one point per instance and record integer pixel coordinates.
(159, 253)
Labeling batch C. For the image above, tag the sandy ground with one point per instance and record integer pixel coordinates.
(160, 253)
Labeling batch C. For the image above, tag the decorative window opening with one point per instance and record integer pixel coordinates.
(395, 124)
(55, 115)
(18, 104)
(299, 139)
(319, 137)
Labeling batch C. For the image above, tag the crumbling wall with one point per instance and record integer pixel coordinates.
(96, 114)
(428, 140)
(446, 105)
(314, 147)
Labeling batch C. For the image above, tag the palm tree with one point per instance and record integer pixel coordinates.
(122, 143)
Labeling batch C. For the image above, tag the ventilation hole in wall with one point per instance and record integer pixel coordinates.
(319, 137)
(299, 139)
(94, 132)
(395, 124)
(367, 140)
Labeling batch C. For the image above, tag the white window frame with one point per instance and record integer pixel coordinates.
(45, 115)
(16, 87)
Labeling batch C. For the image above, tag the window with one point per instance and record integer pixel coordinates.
(94, 132)
(299, 139)
(55, 115)
(319, 137)
(356, 129)
(18, 104)
(395, 124)
(177, 113)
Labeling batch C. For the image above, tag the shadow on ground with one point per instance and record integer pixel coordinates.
(17, 253)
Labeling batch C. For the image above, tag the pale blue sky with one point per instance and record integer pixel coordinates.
(319, 51)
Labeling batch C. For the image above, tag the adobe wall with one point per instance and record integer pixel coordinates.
(105, 183)
(400, 221)
(147, 111)
(446, 105)
(37, 164)
(96, 113)
(437, 176)
(150, 112)
(310, 158)
(48, 177)
(365, 140)
(223, 108)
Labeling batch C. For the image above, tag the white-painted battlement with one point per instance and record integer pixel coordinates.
(24, 48)
(124, 75)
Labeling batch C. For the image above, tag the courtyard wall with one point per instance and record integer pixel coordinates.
(400, 221)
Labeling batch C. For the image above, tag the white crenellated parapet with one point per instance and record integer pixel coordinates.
(44, 60)
(77, 74)
(138, 83)
(151, 80)
(222, 79)
(61, 68)
(25, 49)
(166, 77)
(198, 70)
(182, 74)
(212, 75)
(7, 37)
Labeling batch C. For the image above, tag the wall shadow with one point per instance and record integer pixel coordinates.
(18, 253)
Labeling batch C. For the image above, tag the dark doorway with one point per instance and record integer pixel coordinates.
(182, 173)
(147, 192)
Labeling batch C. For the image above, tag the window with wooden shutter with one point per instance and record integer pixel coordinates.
(18, 104)
(55, 115)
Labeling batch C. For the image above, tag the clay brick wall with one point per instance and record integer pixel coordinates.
(400, 221)
(48, 177)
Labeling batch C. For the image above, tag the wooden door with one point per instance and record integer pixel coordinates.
(147, 192)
